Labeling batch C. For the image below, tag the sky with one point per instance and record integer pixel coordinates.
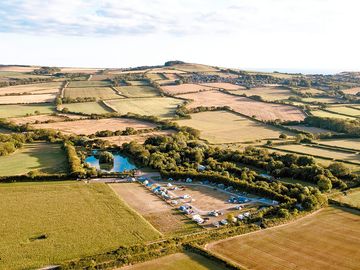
(284, 35)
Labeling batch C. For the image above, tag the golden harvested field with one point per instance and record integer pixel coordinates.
(161, 215)
(171, 76)
(351, 197)
(90, 126)
(25, 99)
(249, 107)
(352, 91)
(138, 83)
(269, 93)
(225, 127)
(79, 70)
(166, 70)
(96, 92)
(158, 106)
(88, 84)
(188, 67)
(321, 113)
(313, 130)
(309, 150)
(24, 109)
(321, 99)
(178, 261)
(328, 239)
(18, 68)
(185, 88)
(140, 138)
(344, 110)
(226, 86)
(137, 91)
(86, 108)
(345, 143)
(37, 118)
(38, 88)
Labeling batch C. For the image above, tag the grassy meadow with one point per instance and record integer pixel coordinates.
(137, 91)
(96, 92)
(87, 108)
(24, 109)
(351, 197)
(47, 223)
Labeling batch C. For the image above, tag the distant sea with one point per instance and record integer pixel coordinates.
(294, 70)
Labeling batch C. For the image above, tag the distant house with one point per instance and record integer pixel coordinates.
(201, 168)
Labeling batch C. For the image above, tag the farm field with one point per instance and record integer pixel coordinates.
(137, 91)
(352, 197)
(352, 91)
(327, 239)
(96, 92)
(9, 68)
(86, 108)
(43, 157)
(75, 219)
(224, 127)
(226, 86)
(185, 88)
(313, 130)
(38, 88)
(249, 107)
(161, 215)
(37, 119)
(269, 93)
(321, 113)
(333, 154)
(344, 110)
(156, 76)
(310, 91)
(188, 67)
(158, 106)
(79, 70)
(140, 138)
(178, 261)
(138, 83)
(321, 100)
(349, 143)
(25, 99)
(24, 109)
(88, 84)
(90, 126)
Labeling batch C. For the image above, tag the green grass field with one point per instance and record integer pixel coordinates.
(88, 84)
(352, 197)
(43, 157)
(75, 219)
(344, 110)
(138, 91)
(86, 107)
(23, 109)
(349, 143)
(158, 106)
(178, 261)
(320, 113)
(225, 127)
(138, 83)
(321, 100)
(96, 92)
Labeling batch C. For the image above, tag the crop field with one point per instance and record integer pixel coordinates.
(47, 223)
(226, 86)
(80, 70)
(96, 92)
(157, 106)
(351, 197)
(224, 127)
(270, 93)
(327, 153)
(328, 239)
(22, 110)
(88, 84)
(90, 126)
(313, 130)
(38, 88)
(321, 100)
(171, 76)
(137, 91)
(87, 108)
(185, 88)
(324, 114)
(25, 99)
(37, 119)
(140, 138)
(344, 110)
(43, 157)
(161, 215)
(352, 91)
(17, 68)
(349, 143)
(249, 107)
(178, 261)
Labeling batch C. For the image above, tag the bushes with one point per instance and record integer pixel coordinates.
(76, 168)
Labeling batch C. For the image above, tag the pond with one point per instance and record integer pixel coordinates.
(121, 163)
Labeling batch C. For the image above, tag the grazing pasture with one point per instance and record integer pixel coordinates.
(350, 143)
(178, 261)
(96, 92)
(226, 86)
(86, 108)
(47, 223)
(185, 88)
(37, 119)
(37, 88)
(43, 157)
(320, 113)
(25, 99)
(138, 83)
(158, 106)
(328, 239)
(90, 126)
(327, 153)
(88, 84)
(351, 197)
(137, 91)
(321, 100)
(269, 93)
(313, 130)
(225, 127)
(188, 67)
(246, 106)
(344, 110)
(310, 91)
(161, 215)
(25, 109)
